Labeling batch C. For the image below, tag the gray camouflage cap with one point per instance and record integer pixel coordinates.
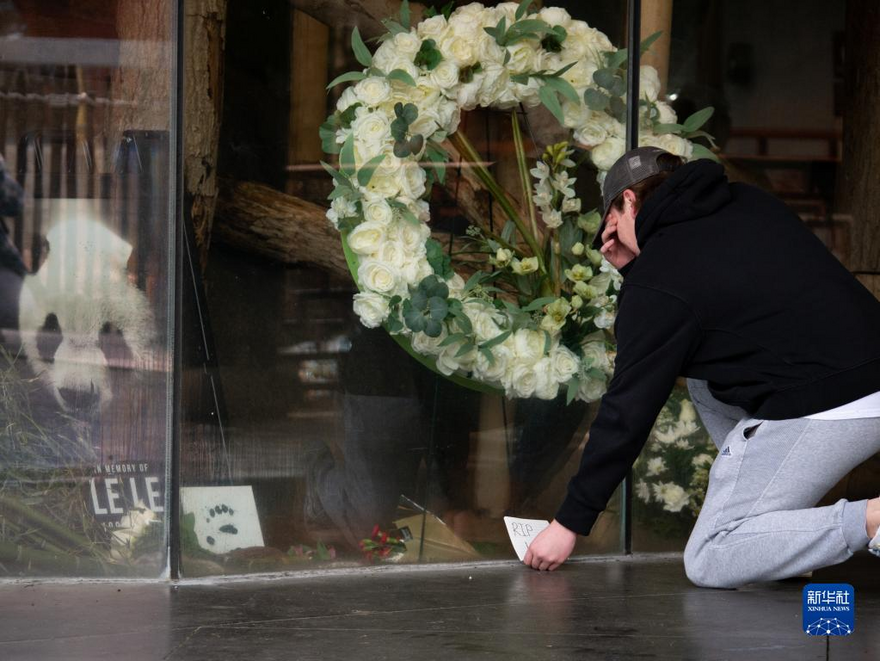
(634, 166)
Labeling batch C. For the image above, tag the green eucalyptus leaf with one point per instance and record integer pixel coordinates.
(467, 347)
(615, 58)
(561, 71)
(401, 149)
(347, 78)
(393, 27)
(437, 308)
(338, 177)
(402, 76)
(508, 234)
(596, 100)
(660, 128)
(703, 152)
(699, 118)
(549, 99)
(498, 339)
(563, 87)
(649, 41)
(404, 14)
(433, 328)
(605, 78)
(538, 303)
(574, 384)
(366, 172)
(415, 143)
(346, 156)
(523, 8)
(452, 338)
(361, 52)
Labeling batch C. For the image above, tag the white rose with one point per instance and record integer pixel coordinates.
(448, 362)
(372, 128)
(394, 254)
(591, 38)
(458, 49)
(605, 319)
(384, 185)
(555, 16)
(590, 134)
(606, 154)
(528, 345)
(595, 355)
(373, 90)
(444, 75)
(371, 308)
(666, 113)
(449, 115)
(649, 82)
(521, 381)
(385, 55)
(412, 184)
(378, 277)
(466, 94)
(565, 363)
(346, 99)
(433, 27)
(366, 238)
(591, 390)
(488, 50)
(581, 74)
(378, 211)
(575, 114)
(483, 319)
(413, 236)
(523, 57)
(493, 371)
(494, 83)
(428, 346)
(407, 43)
(546, 385)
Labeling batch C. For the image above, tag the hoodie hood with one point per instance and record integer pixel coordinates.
(694, 190)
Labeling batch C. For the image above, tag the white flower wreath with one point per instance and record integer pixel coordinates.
(544, 330)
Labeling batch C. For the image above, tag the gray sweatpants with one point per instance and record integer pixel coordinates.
(759, 522)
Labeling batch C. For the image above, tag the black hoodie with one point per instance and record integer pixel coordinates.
(730, 287)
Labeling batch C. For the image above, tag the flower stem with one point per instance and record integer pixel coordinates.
(467, 150)
(523, 167)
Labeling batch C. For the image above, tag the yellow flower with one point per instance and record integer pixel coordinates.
(555, 315)
(579, 273)
(525, 266)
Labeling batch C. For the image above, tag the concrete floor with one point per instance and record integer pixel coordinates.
(635, 607)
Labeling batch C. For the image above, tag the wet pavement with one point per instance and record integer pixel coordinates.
(620, 607)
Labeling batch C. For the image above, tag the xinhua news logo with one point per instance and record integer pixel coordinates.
(829, 609)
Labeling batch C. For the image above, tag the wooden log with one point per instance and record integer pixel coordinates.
(204, 34)
(264, 221)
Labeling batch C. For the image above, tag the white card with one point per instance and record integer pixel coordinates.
(225, 517)
(522, 532)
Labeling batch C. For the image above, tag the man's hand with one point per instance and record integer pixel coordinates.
(551, 547)
(615, 252)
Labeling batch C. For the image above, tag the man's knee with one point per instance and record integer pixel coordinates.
(704, 570)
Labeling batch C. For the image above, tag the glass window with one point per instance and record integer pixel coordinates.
(327, 432)
(85, 188)
(780, 97)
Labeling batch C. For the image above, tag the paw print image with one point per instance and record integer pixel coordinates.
(220, 517)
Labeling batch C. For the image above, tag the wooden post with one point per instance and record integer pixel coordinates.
(308, 96)
(204, 27)
(859, 191)
(657, 16)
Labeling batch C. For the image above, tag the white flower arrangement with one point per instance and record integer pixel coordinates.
(406, 101)
(671, 474)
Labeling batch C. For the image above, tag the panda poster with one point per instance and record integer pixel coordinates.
(84, 378)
